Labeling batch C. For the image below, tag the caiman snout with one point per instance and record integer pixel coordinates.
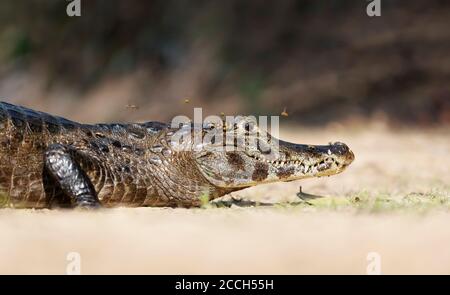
(341, 149)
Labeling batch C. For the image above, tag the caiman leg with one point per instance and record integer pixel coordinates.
(66, 171)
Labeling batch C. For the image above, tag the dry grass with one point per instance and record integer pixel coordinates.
(393, 200)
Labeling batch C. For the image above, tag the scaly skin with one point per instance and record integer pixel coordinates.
(48, 161)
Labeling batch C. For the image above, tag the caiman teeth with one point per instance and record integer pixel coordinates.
(303, 167)
(279, 163)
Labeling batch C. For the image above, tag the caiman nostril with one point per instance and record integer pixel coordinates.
(350, 157)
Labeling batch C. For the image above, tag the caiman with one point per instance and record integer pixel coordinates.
(50, 162)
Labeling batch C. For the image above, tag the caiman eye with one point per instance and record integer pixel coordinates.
(209, 126)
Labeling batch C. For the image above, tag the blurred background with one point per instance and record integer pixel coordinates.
(318, 61)
(379, 84)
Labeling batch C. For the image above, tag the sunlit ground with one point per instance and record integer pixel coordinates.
(393, 200)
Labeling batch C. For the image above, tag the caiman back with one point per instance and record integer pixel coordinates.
(115, 157)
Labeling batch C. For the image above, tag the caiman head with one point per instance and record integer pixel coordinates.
(239, 154)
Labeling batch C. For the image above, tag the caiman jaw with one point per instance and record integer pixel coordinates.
(297, 161)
